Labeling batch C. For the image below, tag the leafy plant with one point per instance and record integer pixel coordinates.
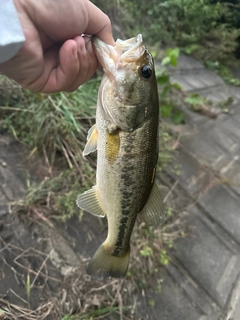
(167, 103)
(164, 259)
(146, 251)
(224, 72)
(208, 29)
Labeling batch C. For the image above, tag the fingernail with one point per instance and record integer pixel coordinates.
(80, 44)
(88, 44)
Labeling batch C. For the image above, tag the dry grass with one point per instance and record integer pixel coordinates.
(74, 293)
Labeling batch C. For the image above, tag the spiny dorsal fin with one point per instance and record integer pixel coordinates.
(91, 144)
(89, 202)
(153, 212)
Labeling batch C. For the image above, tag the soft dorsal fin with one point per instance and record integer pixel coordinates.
(91, 144)
(153, 211)
(89, 202)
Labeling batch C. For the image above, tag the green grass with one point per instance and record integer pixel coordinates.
(52, 123)
(93, 314)
(55, 126)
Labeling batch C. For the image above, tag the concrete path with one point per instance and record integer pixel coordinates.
(204, 281)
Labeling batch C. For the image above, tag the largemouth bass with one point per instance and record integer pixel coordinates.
(126, 137)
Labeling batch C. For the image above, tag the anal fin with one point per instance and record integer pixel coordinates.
(153, 211)
(89, 202)
(91, 144)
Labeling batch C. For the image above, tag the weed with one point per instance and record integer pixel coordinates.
(168, 106)
(53, 123)
(224, 71)
(177, 169)
(159, 288)
(169, 211)
(164, 258)
(152, 303)
(146, 251)
(93, 314)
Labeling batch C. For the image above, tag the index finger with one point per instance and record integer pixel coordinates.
(99, 24)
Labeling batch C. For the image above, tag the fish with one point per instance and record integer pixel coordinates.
(126, 137)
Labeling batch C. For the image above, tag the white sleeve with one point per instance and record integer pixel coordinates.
(11, 34)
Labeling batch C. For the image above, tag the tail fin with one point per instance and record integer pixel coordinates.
(104, 265)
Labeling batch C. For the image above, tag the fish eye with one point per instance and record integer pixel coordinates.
(146, 71)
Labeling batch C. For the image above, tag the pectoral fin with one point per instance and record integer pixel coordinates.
(153, 212)
(89, 202)
(91, 144)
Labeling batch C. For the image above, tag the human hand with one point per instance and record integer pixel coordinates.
(55, 56)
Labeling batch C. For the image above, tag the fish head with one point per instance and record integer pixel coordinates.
(129, 88)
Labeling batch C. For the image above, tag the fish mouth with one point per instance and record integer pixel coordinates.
(131, 49)
(125, 51)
